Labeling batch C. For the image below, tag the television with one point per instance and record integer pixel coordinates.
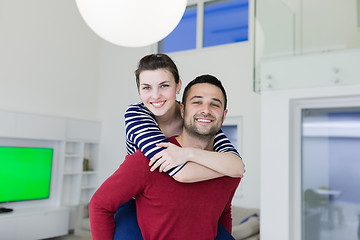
(25, 173)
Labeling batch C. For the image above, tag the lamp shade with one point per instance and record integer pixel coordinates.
(132, 23)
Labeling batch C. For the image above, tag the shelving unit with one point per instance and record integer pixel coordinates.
(80, 166)
(74, 180)
(80, 175)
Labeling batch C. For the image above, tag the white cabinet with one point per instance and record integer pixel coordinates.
(34, 223)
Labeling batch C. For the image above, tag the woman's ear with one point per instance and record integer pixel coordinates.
(178, 87)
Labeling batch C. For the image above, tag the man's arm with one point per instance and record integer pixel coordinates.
(119, 188)
(225, 218)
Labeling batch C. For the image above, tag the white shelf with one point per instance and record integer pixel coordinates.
(71, 173)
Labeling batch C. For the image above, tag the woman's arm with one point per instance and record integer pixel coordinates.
(205, 164)
(143, 132)
(225, 160)
(193, 172)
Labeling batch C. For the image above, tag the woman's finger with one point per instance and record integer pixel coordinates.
(157, 164)
(155, 158)
(163, 144)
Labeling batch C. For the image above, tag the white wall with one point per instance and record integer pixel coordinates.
(48, 59)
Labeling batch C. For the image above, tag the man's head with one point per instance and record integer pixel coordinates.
(204, 106)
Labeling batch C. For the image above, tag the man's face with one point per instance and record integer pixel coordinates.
(204, 110)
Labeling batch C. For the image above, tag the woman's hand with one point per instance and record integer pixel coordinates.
(168, 158)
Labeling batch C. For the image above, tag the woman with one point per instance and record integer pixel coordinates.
(148, 124)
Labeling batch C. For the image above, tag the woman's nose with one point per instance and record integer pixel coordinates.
(156, 93)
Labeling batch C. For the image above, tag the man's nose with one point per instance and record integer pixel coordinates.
(206, 109)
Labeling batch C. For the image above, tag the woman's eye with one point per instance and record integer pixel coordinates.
(164, 85)
(146, 88)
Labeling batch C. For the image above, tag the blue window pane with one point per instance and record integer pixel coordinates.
(226, 22)
(183, 37)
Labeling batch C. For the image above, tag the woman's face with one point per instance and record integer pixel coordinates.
(158, 90)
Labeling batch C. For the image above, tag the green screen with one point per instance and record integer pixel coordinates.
(25, 173)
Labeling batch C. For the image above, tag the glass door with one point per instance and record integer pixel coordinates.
(330, 173)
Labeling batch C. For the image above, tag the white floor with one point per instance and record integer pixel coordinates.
(69, 237)
(346, 226)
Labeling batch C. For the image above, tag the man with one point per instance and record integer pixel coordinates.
(167, 209)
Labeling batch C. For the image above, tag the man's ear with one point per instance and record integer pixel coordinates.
(182, 110)
(224, 115)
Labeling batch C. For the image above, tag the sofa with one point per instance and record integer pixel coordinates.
(245, 223)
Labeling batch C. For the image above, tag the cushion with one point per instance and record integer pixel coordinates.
(247, 228)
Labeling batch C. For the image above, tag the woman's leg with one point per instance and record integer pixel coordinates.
(223, 234)
(126, 225)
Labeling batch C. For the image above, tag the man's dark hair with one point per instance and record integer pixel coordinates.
(154, 62)
(205, 79)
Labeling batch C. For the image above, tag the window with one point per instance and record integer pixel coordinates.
(183, 37)
(224, 22)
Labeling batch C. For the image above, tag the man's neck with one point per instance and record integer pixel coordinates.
(189, 140)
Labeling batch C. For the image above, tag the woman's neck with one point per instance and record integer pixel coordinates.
(171, 123)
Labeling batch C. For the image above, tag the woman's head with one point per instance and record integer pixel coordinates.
(154, 62)
(158, 82)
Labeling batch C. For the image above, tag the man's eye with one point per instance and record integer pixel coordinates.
(164, 85)
(215, 105)
(146, 88)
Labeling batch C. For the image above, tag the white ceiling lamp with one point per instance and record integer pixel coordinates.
(132, 23)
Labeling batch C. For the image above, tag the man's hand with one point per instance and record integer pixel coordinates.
(168, 158)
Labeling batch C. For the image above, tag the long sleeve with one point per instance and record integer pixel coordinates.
(225, 218)
(223, 144)
(126, 182)
(143, 132)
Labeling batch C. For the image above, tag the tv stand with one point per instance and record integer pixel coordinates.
(5, 210)
(34, 223)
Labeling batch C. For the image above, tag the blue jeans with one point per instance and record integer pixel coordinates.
(126, 225)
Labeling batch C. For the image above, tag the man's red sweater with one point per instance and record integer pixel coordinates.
(166, 209)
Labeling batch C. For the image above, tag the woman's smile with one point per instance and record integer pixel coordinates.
(158, 104)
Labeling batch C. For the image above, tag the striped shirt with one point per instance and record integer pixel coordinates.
(143, 132)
